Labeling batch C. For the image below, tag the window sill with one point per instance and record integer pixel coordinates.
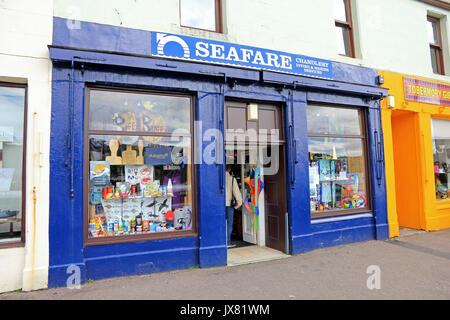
(140, 237)
(200, 33)
(9, 245)
(350, 60)
(337, 216)
(438, 76)
(443, 204)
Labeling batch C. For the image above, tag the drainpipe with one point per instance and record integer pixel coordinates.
(29, 270)
(293, 142)
(70, 138)
(222, 130)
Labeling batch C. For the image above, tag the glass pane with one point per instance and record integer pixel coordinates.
(199, 14)
(130, 111)
(139, 187)
(327, 120)
(343, 41)
(441, 155)
(433, 36)
(340, 10)
(434, 54)
(11, 152)
(336, 174)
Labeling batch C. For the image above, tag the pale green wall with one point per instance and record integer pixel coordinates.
(389, 34)
(393, 35)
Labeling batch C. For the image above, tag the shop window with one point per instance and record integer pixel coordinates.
(12, 168)
(139, 173)
(201, 14)
(343, 27)
(441, 153)
(338, 177)
(435, 40)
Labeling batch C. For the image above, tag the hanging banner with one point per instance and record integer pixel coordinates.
(427, 91)
(195, 49)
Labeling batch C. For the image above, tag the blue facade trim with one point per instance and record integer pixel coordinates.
(114, 265)
(79, 34)
(209, 88)
(342, 218)
(358, 89)
(110, 59)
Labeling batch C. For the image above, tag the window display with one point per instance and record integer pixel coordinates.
(337, 171)
(12, 109)
(440, 131)
(139, 184)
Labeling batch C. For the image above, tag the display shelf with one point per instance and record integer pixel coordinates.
(140, 197)
(11, 222)
(6, 220)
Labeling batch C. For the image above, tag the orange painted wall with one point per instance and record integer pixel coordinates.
(409, 160)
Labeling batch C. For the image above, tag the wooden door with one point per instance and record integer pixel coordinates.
(275, 205)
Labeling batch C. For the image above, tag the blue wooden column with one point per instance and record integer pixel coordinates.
(298, 173)
(211, 176)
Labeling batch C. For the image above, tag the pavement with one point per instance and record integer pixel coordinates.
(415, 265)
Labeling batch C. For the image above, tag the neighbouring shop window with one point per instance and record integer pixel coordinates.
(139, 168)
(337, 160)
(343, 27)
(440, 131)
(201, 14)
(435, 40)
(12, 169)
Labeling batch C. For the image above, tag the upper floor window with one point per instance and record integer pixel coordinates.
(201, 14)
(344, 28)
(434, 37)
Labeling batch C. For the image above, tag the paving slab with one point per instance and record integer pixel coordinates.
(416, 266)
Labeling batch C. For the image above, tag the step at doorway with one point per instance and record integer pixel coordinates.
(252, 254)
(404, 232)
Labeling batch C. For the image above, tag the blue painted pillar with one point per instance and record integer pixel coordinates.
(66, 213)
(211, 199)
(377, 171)
(298, 173)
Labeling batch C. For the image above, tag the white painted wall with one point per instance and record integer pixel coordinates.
(390, 34)
(25, 32)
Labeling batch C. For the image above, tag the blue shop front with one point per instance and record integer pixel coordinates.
(145, 123)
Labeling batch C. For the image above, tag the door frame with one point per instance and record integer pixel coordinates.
(262, 234)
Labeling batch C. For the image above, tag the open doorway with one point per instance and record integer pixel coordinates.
(258, 232)
(237, 235)
(257, 162)
(249, 218)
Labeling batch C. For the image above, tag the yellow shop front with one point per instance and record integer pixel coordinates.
(416, 128)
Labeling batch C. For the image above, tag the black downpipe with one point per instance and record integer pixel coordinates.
(293, 142)
(220, 162)
(70, 141)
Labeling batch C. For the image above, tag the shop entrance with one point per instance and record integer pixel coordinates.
(255, 149)
(405, 137)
